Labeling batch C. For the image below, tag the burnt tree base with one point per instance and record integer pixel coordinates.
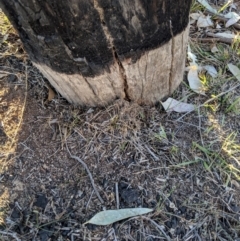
(156, 74)
(94, 52)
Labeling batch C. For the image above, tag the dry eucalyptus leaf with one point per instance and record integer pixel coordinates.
(194, 81)
(204, 22)
(211, 70)
(234, 70)
(51, 94)
(214, 49)
(174, 105)
(111, 216)
(192, 57)
(233, 18)
(194, 17)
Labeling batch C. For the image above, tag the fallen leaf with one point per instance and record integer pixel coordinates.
(192, 57)
(211, 70)
(91, 110)
(194, 17)
(207, 6)
(233, 18)
(111, 216)
(204, 21)
(174, 105)
(51, 94)
(234, 70)
(194, 81)
(214, 49)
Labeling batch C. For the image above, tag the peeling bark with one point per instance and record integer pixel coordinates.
(94, 51)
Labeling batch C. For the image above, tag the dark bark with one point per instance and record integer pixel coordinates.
(70, 36)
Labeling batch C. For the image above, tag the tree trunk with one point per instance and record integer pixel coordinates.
(95, 51)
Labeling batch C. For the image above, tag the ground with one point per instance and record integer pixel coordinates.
(183, 166)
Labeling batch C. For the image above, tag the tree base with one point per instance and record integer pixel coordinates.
(156, 74)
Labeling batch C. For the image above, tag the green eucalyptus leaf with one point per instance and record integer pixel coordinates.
(111, 216)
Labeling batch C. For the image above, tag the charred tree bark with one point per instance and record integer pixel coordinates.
(94, 51)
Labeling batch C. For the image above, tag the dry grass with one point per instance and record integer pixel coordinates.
(186, 167)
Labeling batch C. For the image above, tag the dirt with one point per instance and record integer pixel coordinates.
(50, 194)
(140, 155)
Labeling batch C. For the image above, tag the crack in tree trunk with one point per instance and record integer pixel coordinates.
(114, 52)
(122, 74)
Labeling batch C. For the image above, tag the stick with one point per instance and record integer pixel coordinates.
(213, 40)
(117, 194)
(158, 227)
(221, 39)
(89, 174)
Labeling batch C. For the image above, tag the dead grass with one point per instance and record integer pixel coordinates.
(186, 167)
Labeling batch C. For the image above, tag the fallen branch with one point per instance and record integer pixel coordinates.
(212, 40)
(221, 39)
(89, 174)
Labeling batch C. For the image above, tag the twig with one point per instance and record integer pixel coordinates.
(89, 199)
(151, 221)
(117, 194)
(14, 235)
(200, 133)
(221, 39)
(89, 174)
(152, 153)
(158, 226)
(213, 40)
(198, 225)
